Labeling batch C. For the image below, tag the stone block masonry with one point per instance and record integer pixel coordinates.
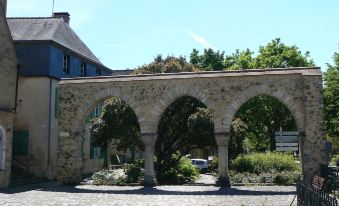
(223, 93)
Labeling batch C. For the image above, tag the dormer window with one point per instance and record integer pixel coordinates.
(83, 69)
(66, 64)
(98, 72)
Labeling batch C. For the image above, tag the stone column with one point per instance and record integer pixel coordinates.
(149, 140)
(222, 139)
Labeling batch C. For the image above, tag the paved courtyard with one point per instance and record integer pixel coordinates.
(53, 194)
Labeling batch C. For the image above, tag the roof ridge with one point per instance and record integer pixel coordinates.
(51, 17)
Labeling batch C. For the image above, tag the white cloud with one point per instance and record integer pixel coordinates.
(199, 39)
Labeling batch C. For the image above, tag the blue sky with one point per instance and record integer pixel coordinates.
(128, 33)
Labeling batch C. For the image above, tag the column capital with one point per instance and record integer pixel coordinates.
(222, 138)
(148, 138)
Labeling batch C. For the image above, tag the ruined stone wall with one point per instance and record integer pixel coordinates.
(222, 92)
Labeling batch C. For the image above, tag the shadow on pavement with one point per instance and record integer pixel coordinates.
(54, 187)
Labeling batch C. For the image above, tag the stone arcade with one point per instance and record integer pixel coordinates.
(223, 93)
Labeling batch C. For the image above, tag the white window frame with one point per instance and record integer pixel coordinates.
(66, 64)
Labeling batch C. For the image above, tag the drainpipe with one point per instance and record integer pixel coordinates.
(16, 88)
(49, 128)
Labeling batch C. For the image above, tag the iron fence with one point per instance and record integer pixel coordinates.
(311, 196)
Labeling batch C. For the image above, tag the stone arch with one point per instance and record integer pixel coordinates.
(173, 95)
(89, 104)
(2, 147)
(293, 106)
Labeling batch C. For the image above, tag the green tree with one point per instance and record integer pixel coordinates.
(331, 97)
(272, 114)
(264, 115)
(278, 55)
(240, 60)
(168, 65)
(185, 124)
(117, 124)
(209, 61)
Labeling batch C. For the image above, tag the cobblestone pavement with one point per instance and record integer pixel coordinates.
(53, 194)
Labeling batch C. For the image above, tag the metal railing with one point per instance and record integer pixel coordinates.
(20, 164)
(311, 196)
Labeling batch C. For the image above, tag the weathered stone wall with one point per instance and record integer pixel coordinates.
(8, 66)
(8, 73)
(6, 123)
(222, 92)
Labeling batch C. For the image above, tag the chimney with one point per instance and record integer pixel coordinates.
(3, 4)
(64, 15)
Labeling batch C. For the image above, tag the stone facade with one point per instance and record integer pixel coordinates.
(223, 93)
(8, 77)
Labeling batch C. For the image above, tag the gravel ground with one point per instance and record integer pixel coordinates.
(198, 195)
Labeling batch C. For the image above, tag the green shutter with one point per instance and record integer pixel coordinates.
(20, 142)
(91, 152)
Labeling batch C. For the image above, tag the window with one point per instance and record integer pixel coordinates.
(98, 72)
(66, 68)
(83, 69)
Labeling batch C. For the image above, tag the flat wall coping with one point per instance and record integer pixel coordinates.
(305, 71)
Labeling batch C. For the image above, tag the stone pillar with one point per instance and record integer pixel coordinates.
(69, 158)
(149, 140)
(222, 139)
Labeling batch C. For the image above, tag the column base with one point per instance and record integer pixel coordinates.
(223, 182)
(149, 181)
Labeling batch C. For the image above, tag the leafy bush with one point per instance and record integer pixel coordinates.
(335, 160)
(106, 177)
(134, 172)
(286, 178)
(214, 165)
(264, 162)
(185, 172)
(280, 178)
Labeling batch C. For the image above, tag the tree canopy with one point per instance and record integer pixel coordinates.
(185, 124)
(273, 55)
(117, 124)
(331, 96)
(170, 64)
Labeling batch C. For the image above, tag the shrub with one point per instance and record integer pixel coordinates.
(214, 165)
(335, 160)
(264, 162)
(134, 172)
(185, 172)
(283, 178)
(286, 178)
(106, 177)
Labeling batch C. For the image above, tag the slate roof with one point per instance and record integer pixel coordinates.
(49, 29)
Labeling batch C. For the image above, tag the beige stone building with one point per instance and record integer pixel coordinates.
(48, 50)
(8, 88)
